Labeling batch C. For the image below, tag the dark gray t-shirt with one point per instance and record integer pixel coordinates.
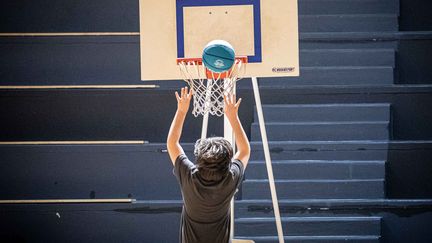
(206, 212)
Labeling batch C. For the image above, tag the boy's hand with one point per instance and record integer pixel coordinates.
(231, 106)
(231, 112)
(183, 100)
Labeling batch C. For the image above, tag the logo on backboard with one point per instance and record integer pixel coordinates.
(283, 69)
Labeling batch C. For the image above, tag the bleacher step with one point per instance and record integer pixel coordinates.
(346, 75)
(335, 40)
(322, 150)
(87, 171)
(309, 226)
(317, 169)
(348, 22)
(347, 57)
(326, 112)
(348, 6)
(364, 130)
(323, 207)
(315, 189)
(317, 239)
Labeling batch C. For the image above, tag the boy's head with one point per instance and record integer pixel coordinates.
(213, 157)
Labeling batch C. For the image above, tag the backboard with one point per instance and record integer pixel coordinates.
(266, 31)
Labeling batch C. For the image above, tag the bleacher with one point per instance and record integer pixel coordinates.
(350, 139)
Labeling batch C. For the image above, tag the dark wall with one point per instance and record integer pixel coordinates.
(109, 222)
(413, 56)
(69, 16)
(414, 61)
(408, 170)
(415, 15)
(76, 60)
(29, 223)
(129, 114)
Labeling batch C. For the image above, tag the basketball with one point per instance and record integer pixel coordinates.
(218, 56)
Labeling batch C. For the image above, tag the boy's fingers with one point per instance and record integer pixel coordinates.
(226, 99)
(238, 102)
(177, 96)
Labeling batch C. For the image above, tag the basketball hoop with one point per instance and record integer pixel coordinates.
(209, 87)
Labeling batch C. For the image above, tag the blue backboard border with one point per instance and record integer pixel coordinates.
(180, 4)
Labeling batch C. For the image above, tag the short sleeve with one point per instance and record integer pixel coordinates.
(182, 168)
(237, 169)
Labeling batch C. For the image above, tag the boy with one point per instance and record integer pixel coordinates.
(208, 185)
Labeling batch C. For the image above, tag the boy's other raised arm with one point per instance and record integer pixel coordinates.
(173, 140)
(242, 142)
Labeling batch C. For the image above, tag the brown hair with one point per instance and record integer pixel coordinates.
(213, 157)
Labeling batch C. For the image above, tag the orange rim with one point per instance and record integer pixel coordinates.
(209, 73)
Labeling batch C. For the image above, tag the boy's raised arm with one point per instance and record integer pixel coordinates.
(231, 112)
(173, 140)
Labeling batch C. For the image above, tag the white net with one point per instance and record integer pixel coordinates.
(210, 90)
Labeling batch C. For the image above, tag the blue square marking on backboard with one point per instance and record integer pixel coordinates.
(180, 4)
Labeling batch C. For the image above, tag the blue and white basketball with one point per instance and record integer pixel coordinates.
(218, 56)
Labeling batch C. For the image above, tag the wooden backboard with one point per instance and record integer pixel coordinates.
(264, 30)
